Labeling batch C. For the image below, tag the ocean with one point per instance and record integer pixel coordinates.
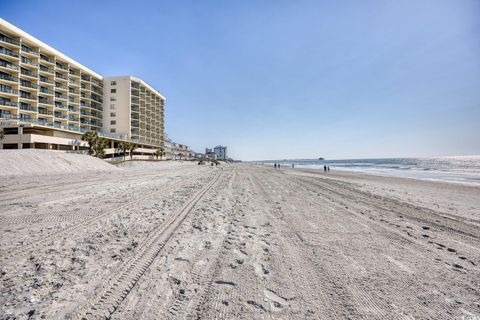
(460, 169)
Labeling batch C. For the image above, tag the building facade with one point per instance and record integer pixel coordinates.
(133, 109)
(221, 152)
(48, 100)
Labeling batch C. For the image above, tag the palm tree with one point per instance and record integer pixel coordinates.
(91, 137)
(160, 152)
(123, 147)
(131, 147)
(100, 145)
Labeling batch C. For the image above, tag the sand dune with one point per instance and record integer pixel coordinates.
(38, 162)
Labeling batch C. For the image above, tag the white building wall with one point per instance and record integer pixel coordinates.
(118, 103)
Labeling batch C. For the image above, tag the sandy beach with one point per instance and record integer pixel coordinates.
(170, 240)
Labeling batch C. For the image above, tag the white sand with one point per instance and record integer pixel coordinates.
(181, 241)
(38, 162)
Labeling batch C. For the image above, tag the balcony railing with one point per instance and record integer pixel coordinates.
(28, 73)
(8, 77)
(27, 108)
(45, 69)
(60, 96)
(28, 50)
(45, 101)
(27, 96)
(8, 90)
(61, 76)
(45, 111)
(29, 62)
(8, 103)
(58, 65)
(60, 106)
(46, 59)
(8, 52)
(9, 40)
(61, 86)
(46, 80)
(9, 65)
(28, 85)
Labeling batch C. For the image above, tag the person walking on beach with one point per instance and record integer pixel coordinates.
(328, 168)
(325, 168)
(293, 166)
(275, 165)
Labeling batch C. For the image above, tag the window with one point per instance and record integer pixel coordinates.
(113, 130)
(113, 122)
(113, 99)
(113, 83)
(112, 106)
(113, 114)
(113, 90)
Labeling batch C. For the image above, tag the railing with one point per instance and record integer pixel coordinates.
(27, 96)
(29, 62)
(72, 81)
(28, 50)
(28, 73)
(8, 90)
(45, 69)
(28, 85)
(46, 59)
(72, 109)
(46, 80)
(61, 86)
(9, 40)
(61, 76)
(60, 106)
(45, 101)
(8, 77)
(9, 65)
(8, 103)
(8, 52)
(61, 67)
(60, 96)
(46, 112)
(27, 108)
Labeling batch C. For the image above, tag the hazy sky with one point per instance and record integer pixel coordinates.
(287, 79)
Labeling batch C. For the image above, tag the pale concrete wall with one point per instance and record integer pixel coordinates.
(122, 105)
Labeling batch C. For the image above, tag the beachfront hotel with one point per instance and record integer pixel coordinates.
(48, 100)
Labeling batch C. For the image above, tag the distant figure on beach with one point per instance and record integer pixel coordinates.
(325, 168)
(293, 166)
(328, 168)
(278, 165)
(275, 165)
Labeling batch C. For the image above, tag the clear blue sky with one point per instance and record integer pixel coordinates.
(287, 79)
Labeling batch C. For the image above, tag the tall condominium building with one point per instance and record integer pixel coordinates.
(221, 152)
(47, 100)
(133, 109)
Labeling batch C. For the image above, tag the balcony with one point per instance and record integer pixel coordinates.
(8, 90)
(60, 76)
(60, 106)
(25, 95)
(27, 107)
(60, 66)
(7, 65)
(29, 73)
(7, 52)
(45, 101)
(73, 91)
(8, 40)
(73, 109)
(45, 112)
(29, 62)
(28, 85)
(46, 59)
(73, 82)
(8, 77)
(27, 50)
(46, 69)
(60, 86)
(73, 73)
(46, 91)
(46, 80)
(7, 103)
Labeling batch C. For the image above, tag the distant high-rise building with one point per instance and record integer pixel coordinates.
(221, 152)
